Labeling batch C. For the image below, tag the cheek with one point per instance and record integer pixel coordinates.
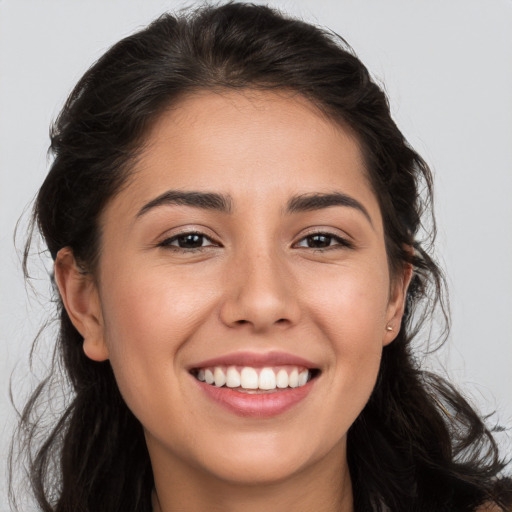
(148, 319)
(349, 309)
(153, 301)
(350, 306)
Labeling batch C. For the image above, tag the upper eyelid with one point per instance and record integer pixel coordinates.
(188, 230)
(325, 231)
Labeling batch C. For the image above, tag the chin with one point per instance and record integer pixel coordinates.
(265, 461)
(258, 471)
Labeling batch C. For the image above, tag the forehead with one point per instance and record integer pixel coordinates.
(251, 145)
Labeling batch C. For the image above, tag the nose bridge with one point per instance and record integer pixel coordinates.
(259, 288)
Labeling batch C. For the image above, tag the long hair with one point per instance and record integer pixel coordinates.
(417, 445)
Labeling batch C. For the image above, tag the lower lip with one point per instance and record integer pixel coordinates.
(258, 405)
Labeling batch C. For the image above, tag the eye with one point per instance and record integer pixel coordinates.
(323, 241)
(188, 241)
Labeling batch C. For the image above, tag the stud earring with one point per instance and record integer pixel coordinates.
(389, 328)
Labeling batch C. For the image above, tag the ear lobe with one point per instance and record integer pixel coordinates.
(396, 306)
(80, 298)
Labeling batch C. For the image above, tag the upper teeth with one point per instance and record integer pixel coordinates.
(254, 378)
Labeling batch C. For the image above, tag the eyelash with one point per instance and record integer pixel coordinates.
(167, 243)
(342, 243)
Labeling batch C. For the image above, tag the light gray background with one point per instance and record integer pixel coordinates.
(447, 67)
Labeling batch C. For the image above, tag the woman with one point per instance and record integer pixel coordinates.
(233, 216)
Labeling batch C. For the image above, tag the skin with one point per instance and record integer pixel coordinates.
(256, 284)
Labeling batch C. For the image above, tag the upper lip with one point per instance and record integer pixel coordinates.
(254, 359)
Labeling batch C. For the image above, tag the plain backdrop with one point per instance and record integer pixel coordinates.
(447, 67)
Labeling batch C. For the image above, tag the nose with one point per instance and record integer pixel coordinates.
(260, 294)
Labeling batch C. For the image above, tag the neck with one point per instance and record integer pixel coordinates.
(321, 487)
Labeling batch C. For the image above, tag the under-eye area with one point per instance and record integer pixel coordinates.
(248, 379)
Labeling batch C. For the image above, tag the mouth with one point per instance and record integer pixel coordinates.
(256, 380)
(256, 385)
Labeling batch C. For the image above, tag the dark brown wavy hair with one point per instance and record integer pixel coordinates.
(417, 445)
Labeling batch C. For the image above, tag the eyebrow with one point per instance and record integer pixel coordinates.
(318, 201)
(203, 200)
(223, 203)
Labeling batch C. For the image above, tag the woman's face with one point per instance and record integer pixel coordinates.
(248, 246)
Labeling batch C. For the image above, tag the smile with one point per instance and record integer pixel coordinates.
(255, 385)
(249, 379)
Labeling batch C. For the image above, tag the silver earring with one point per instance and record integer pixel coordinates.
(389, 328)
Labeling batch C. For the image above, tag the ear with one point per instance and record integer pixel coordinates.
(81, 299)
(396, 305)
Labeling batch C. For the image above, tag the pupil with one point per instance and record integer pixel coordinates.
(319, 241)
(190, 241)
